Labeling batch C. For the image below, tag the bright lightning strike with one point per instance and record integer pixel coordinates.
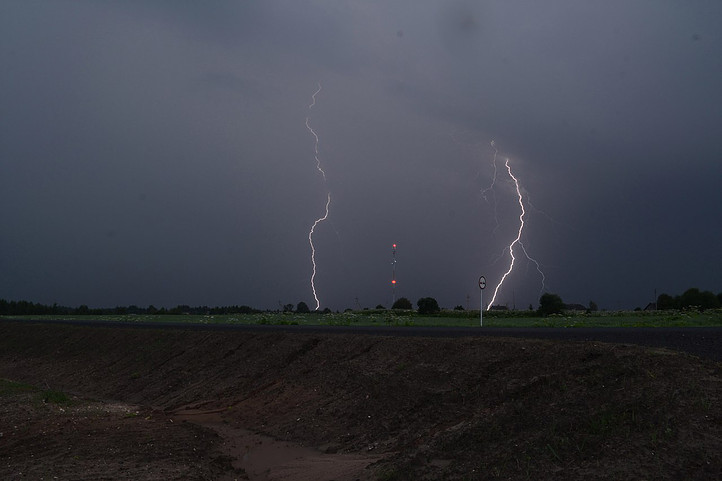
(517, 240)
(313, 250)
(315, 148)
(313, 132)
(328, 199)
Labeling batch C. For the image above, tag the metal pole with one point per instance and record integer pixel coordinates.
(481, 311)
(393, 276)
(482, 285)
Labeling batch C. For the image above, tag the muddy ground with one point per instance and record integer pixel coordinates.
(86, 403)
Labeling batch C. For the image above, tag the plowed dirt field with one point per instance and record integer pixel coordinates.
(91, 403)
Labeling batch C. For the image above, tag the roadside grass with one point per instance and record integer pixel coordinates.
(55, 397)
(446, 318)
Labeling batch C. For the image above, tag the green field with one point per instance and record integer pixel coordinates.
(686, 318)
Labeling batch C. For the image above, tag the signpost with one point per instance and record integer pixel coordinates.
(482, 285)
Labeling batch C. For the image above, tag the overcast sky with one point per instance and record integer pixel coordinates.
(157, 152)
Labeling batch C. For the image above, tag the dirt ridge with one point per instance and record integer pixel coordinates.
(418, 408)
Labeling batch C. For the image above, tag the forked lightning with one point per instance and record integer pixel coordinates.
(328, 200)
(517, 240)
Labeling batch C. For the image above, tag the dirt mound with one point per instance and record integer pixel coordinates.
(369, 407)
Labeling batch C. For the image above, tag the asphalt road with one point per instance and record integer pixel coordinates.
(705, 342)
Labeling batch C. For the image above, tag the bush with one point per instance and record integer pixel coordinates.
(55, 397)
(550, 304)
(428, 305)
(402, 303)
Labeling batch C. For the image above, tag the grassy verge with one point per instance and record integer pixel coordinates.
(687, 318)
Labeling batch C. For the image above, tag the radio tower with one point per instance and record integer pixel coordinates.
(393, 275)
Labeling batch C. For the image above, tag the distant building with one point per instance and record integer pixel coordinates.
(575, 307)
(496, 307)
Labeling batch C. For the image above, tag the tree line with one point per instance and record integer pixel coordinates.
(548, 304)
(691, 298)
(25, 308)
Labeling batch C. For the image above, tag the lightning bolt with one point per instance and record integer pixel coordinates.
(488, 193)
(328, 200)
(491, 188)
(315, 148)
(517, 240)
(493, 179)
(313, 250)
(313, 97)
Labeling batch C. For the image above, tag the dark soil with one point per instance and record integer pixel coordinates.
(175, 404)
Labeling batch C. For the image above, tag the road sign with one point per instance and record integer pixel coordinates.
(482, 285)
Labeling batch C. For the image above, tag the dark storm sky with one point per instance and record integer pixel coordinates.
(157, 152)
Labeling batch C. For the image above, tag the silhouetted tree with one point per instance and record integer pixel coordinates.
(693, 297)
(707, 300)
(302, 307)
(427, 305)
(665, 301)
(690, 297)
(402, 303)
(550, 304)
(593, 306)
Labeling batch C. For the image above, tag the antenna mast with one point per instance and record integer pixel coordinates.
(393, 275)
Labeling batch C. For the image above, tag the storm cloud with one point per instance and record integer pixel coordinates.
(157, 152)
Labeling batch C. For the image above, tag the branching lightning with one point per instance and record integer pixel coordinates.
(517, 240)
(493, 179)
(491, 188)
(328, 200)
